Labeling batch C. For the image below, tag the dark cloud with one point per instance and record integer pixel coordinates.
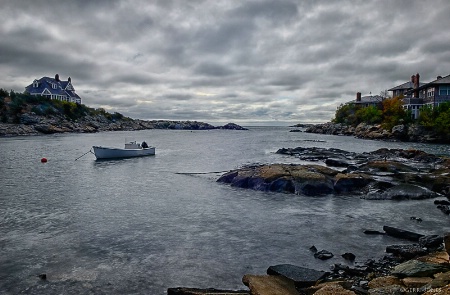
(248, 61)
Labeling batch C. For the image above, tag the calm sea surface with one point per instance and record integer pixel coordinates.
(138, 226)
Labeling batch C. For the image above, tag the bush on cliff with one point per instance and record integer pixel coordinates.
(13, 105)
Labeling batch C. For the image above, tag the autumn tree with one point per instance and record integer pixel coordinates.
(394, 113)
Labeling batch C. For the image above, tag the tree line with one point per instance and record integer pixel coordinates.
(390, 112)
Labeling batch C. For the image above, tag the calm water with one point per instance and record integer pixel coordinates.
(136, 226)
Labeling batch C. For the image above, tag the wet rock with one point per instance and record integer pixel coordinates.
(268, 284)
(303, 277)
(406, 251)
(351, 182)
(431, 241)
(349, 256)
(415, 268)
(447, 243)
(441, 202)
(209, 291)
(401, 192)
(444, 208)
(323, 255)
(337, 162)
(402, 234)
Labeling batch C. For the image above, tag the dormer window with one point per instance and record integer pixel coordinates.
(35, 84)
(54, 86)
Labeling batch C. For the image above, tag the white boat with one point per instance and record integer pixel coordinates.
(132, 149)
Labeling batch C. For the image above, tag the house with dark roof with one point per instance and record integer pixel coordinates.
(416, 94)
(368, 100)
(54, 88)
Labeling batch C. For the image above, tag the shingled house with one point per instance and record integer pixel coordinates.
(417, 94)
(54, 88)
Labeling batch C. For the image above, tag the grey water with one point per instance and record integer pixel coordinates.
(142, 225)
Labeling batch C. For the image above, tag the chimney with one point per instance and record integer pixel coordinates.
(70, 80)
(413, 79)
(57, 78)
(358, 96)
(416, 85)
(439, 77)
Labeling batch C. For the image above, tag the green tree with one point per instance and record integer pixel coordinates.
(346, 114)
(369, 115)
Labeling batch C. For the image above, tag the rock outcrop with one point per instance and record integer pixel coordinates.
(31, 124)
(380, 175)
(414, 133)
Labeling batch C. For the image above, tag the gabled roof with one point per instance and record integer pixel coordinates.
(47, 83)
(368, 99)
(439, 81)
(406, 85)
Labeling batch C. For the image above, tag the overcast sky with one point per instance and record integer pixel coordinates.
(224, 61)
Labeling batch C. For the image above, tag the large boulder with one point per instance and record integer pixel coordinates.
(415, 268)
(402, 192)
(302, 277)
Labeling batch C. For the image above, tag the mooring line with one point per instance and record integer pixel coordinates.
(201, 172)
(89, 151)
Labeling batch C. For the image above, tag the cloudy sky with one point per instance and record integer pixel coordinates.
(248, 62)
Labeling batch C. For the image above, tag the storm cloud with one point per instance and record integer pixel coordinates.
(219, 61)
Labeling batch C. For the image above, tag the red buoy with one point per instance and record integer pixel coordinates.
(44, 160)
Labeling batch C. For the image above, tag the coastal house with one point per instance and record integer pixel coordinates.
(368, 100)
(416, 94)
(54, 88)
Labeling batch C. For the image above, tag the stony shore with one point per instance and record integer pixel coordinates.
(31, 124)
(413, 133)
(418, 267)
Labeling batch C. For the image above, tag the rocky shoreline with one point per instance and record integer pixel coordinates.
(31, 124)
(412, 132)
(418, 267)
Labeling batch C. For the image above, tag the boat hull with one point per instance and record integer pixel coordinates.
(115, 153)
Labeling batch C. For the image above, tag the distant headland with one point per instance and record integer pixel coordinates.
(26, 114)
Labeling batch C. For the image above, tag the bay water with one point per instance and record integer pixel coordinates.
(142, 225)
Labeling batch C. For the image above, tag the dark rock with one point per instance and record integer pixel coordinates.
(431, 241)
(337, 162)
(43, 276)
(349, 256)
(447, 243)
(196, 291)
(313, 249)
(351, 182)
(228, 177)
(441, 202)
(415, 268)
(402, 192)
(352, 271)
(445, 209)
(303, 277)
(406, 251)
(323, 255)
(402, 234)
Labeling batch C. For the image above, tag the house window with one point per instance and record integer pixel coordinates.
(444, 90)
